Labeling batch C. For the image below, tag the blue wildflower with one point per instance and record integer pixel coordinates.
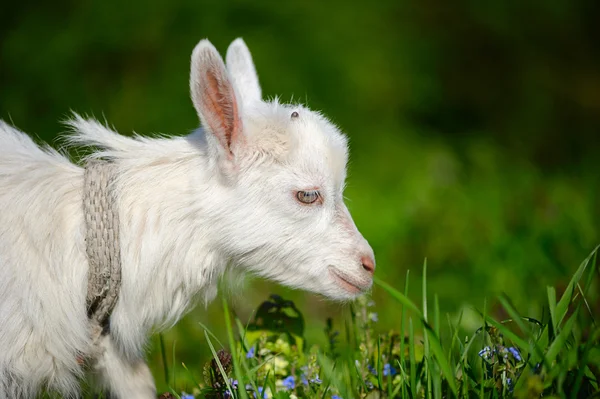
(485, 353)
(250, 353)
(372, 369)
(186, 396)
(388, 369)
(261, 393)
(316, 380)
(509, 384)
(304, 379)
(234, 386)
(515, 353)
(336, 397)
(374, 317)
(289, 382)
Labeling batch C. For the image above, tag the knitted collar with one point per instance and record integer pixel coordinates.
(102, 242)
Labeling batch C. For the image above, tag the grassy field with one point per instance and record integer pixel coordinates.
(473, 131)
(427, 355)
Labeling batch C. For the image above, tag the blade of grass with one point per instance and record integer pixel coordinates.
(219, 365)
(360, 377)
(327, 375)
(442, 361)
(518, 319)
(163, 355)
(211, 334)
(173, 362)
(561, 339)
(586, 303)
(191, 375)
(403, 326)
(413, 360)
(427, 359)
(263, 394)
(436, 315)
(378, 365)
(484, 331)
(552, 309)
(565, 300)
(244, 361)
(437, 383)
(584, 360)
(234, 355)
(454, 332)
(400, 297)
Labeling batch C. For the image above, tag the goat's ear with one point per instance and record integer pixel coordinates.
(214, 97)
(243, 72)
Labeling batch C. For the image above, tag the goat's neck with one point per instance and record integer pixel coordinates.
(169, 258)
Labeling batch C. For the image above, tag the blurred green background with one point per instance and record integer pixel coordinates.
(474, 125)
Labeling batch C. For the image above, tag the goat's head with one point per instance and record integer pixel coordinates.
(282, 168)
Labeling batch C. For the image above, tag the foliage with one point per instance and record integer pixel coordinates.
(517, 357)
(473, 125)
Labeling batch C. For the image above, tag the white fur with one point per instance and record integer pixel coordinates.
(190, 207)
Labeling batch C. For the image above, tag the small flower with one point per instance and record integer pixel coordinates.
(261, 393)
(316, 380)
(373, 317)
(389, 370)
(304, 380)
(509, 384)
(250, 353)
(336, 397)
(186, 396)
(515, 353)
(485, 353)
(370, 385)
(372, 369)
(289, 382)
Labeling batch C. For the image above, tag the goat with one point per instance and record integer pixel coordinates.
(259, 187)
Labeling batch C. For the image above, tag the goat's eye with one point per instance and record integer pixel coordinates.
(308, 197)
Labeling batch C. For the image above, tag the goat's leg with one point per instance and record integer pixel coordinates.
(122, 377)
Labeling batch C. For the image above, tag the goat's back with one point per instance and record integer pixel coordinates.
(43, 268)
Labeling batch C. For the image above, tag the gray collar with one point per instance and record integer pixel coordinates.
(102, 242)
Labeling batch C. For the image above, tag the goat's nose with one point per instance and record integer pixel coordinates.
(368, 263)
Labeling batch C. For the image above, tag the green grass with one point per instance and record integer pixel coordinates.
(558, 356)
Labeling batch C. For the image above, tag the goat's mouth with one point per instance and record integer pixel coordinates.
(347, 282)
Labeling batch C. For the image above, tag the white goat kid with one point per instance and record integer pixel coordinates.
(259, 188)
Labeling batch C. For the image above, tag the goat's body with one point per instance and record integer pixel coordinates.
(260, 188)
(43, 263)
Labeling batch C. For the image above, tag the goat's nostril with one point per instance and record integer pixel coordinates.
(368, 264)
